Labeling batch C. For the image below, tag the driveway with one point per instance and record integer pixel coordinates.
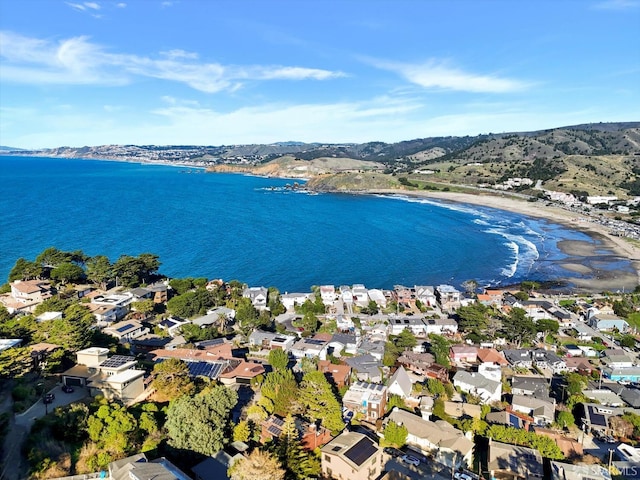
(39, 409)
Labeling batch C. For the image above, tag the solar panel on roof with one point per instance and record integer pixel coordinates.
(205, 369)
(514, 421)
(279, 339)
(116, 361)
(361, 451)
(124, 328)
(313, 341)
(274, 431)
(210, 343)
(278, 421)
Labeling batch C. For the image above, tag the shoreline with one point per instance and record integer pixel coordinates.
(585, 258)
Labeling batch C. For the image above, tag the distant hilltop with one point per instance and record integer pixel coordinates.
(587, 159)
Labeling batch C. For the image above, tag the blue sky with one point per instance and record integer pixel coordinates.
(255, 71)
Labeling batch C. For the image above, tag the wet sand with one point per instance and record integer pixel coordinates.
(596, 261)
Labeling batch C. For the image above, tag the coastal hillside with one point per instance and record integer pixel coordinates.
(583, 160)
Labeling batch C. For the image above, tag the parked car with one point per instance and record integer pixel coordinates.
(609, 439)
(394, 452)
(67, 388)
(48, 398)
(462, 476)
(411, 460)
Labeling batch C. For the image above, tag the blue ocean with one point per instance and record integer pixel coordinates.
(258, 231)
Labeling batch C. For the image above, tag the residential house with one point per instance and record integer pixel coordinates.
(461, 353)
(126, 330)
(491, 355)
(352, 456)
(31, 292)
(219, 317)
(240, 372)
(172, 325)
(338, 375)
(344, 324)
(372, 347)
(310, 347)
(568, 471)
(579, 364)
(478, 385)
(366, 367)
(530, 385)
(622, 374)
(416, 362)
(377, 296)
(328, 294)
(448, 445)
(491, 371)
(121, 303)
(258, 297)
(617, 359)
(344, 343)
(414, 324)
(105, 314)
(448, 297)
(360, 295)
(509, 418)
(589, 352)
(438, 371)
(548, 360)
(572, 350)
(605, 323)
(137, 467)
(542, 411)
(113, 377)
(426, 294)
(596, 417)
(310, 435)
(40, 352)
(271, 341)
(368, 399)
(512, 462)
(583, 332)
(400, 383)
(631, 396)
(441, 326)
(604, 397)
(519, 358)
(290, 300)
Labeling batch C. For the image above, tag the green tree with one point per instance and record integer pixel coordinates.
(396, 401)
(279, 392)
(25, 270)
(143, 306)
(547, 326)
(435, 386)
(171, 379)
(440, 349)
(319, 402)
(242, 431)
(246, 316)
(15, 362)
(473, 318)
(100, 270)
(181, 285)
(565, 419)
(201, 423)
(258, 465)
(278, 359)
(628, 341)
(395, 435)
(576, 383)
(191, 303)
(112, 427)
(53, 304)
(274, 302)
(519, 328)
(67, 272)
(310, 322)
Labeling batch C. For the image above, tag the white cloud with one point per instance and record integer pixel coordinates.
(85, 6)
(121, 5)
(79, 61)
(435, 74)
(616, 5)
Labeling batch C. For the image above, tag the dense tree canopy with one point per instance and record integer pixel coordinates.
(319, 402)
(519, 328)
(279, 392)
(171, 379)
(201, 423)
(395, 435)
(440, 349)
(258, 465)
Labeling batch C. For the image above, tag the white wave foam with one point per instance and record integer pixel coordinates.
(524, 251)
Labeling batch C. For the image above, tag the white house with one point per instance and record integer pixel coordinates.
(477, 384)
(328, 294)
(378, 297)
(258, 297)
(290, 300)
(400, 383)
(360, 295)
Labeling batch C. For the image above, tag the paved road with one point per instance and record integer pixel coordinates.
(39, 409)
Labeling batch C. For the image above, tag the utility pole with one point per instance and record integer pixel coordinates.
(610, 457)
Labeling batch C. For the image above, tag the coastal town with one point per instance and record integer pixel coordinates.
(208, 379)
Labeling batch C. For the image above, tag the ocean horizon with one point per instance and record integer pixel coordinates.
(259, 231)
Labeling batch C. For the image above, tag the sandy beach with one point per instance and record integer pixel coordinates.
(594, 260)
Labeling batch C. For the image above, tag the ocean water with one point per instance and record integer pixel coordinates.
(257, 231)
